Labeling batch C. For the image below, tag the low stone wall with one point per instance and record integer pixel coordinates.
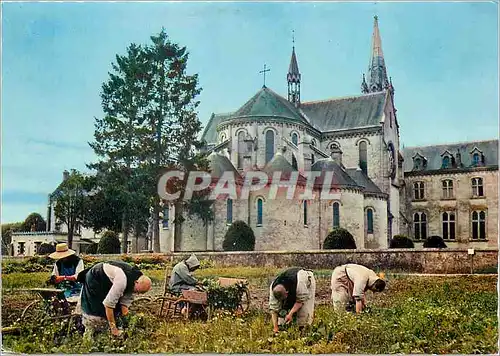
(443, 261)
(447, 261)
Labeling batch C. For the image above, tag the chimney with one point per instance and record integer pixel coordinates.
(65, 175)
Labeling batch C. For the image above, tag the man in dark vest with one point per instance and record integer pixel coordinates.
(66, 269)
(292, 292)
(107, 290)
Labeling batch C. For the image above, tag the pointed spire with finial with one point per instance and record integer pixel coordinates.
(364, 86)
(377, 72)
(293, 77)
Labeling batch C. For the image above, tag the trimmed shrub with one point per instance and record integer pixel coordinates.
(45, 249)
(401, 241)
(339, 239)
(92, 249)
(239, 237)
(434, 242)
(109, 243)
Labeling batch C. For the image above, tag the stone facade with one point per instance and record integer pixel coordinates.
(462, 203)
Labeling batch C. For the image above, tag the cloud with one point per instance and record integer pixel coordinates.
(59, 144)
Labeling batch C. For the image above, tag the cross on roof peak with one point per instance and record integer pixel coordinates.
(264, 72)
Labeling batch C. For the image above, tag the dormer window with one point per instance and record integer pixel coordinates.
(419, 162)
(477, 157)
(446, 162)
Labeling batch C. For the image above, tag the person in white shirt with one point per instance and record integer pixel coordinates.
(349, 284)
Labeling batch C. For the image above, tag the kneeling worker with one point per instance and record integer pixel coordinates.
(292, 291)
(107, 289)
(349, 284)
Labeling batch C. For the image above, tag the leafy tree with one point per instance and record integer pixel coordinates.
(109, 243)
(45, 249)
(71, 199)
(239, 237)
(125, 97)
(434, 242)
(339, 239)
(401, 241)
(34, 222)
(7, 230)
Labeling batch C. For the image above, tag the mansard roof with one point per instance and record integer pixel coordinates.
(363, 180)
(267, 103)
(345, 113)
(433, 154)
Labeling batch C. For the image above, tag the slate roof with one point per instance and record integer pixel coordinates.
(434, 159)
(219, 164)
(363, 180)
(210, 132)
(280, 164)
(340, 176)
(268, 103)
(345, 113)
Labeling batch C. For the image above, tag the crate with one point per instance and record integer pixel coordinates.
(225, 282)
(195, 297)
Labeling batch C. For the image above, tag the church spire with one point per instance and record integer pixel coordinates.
(377, 73)
(293, 78)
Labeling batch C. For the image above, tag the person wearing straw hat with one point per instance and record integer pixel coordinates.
(66, 269)
(349, 284)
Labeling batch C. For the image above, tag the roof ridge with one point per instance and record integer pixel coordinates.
(341, 98)
(453, 143)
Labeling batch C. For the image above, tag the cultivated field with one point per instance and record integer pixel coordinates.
(413, 315)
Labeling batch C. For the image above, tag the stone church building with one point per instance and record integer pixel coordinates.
(381, 189)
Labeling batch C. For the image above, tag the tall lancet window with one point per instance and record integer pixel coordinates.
(295, 139)
(336, 214)
(229, 208)
(269, 145)
(259, 211)
(241, 149)
(294, 162)
(363, 160)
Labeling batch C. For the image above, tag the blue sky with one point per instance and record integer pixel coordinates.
(442, 57)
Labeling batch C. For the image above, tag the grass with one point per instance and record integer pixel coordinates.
(413, 315)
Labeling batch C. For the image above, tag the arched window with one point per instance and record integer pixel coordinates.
(241, 149)
(312, 158)
(369, 221)
(313, 142)
(420, 226)
(363, 163)
(305, 212)
(417, 163)
(295, 139)
(447, 189)
(166, 212)
(475, 159)
(418, 191)
(478, 225)
(259, 211)
(229, 211)
(336, 214)
(477, 187)
(446, 162)
(449, 225)
(269, 145)
(294, 162)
